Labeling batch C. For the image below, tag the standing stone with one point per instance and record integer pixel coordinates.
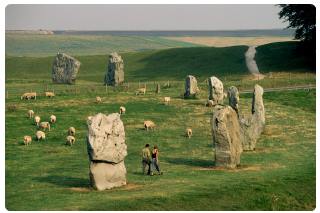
(215, 90)
(233, 95)
(226, 137)
(191, 87)
(115, 73)
(107, 150)
(253, 126)
(65, 69)
(158, 88)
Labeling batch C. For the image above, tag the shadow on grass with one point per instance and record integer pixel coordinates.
(64, 181)
(190, 162)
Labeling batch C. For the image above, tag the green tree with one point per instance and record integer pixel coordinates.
(301, 17)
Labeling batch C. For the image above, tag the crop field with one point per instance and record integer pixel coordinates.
(280, 174)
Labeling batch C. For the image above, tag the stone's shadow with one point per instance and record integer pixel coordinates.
(190, 162)
(64, 181)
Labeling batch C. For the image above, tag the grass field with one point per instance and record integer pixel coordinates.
(49, 45)
(279, 175)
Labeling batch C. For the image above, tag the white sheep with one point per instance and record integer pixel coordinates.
(27, 140)
(188, 132)
(49, 94)
(30, 113)
(40, 135)
(29, 95)
(122, 110)
(72, 131)
(210, 103)
(167, 100)
(98, 99)
(89, 120)
(53, 119)
(70, 140)
(44, 125)
(149, 124)
(37, 120)
(141, 91)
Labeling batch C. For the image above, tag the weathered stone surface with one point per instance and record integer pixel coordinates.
(115, 73)
(226, 137)
(215, 90)
(106, 175)
(191, 86)
(65, 69)
(233, 95)
(106, 138)
(106, 150)
(253, 126)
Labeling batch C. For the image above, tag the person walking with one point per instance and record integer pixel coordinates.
(155, 160)
(146, 159)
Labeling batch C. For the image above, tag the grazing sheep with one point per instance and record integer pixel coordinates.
(98, 99)
(122, 110)
(72, 131)
(188, 132)
(149, 124)
(30, 113)
(167, 100)
(225, 95)
(53, 119)
(37, 120)
(70, 140)
(40, 135)
(45, 125)
(141, 90)
(27, 140)
(209, 103)
(29, 95)
(49, 94)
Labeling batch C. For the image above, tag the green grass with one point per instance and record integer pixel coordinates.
(283, 56)
(49, 45)
(279, 175)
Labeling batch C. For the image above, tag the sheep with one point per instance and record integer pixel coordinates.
(27, 140)
(141, 90)
(98, 99)
(167, 100)
(225, 95)
(70, 140)
(29, 95)
(37, 120)
(53, 119)
(40, 135)
(122, 110)
(44, 125)
(188, 132)
(149, 124)
(209, 103)
(72, 131)
(30, 113)
(49, 94)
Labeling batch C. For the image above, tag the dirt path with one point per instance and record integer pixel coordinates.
(252, 64)
(276, 89)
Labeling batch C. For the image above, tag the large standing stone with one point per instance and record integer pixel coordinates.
(107, 150)
(115, 73)
(253, 126)
(65, 69)
(226, 137)
(233, 95)
(215, 90)
(191, 87)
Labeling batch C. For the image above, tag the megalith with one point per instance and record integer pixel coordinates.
(215, 90)
(115, 74)
(253, 126)
(107, 150)
(233, 96)
(191, 87)
(65, 69)
(226, 137)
